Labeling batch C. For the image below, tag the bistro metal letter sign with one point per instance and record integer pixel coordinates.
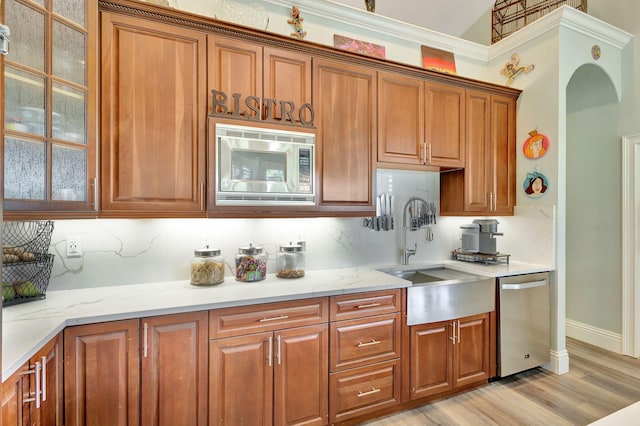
(256, 109)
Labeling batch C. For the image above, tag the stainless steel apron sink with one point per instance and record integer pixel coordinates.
(440, 294)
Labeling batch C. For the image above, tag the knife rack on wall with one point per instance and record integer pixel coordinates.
(420, 213)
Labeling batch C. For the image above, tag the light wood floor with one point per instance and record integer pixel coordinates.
(598, 383)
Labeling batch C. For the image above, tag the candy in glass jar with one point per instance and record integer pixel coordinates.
(251, 264)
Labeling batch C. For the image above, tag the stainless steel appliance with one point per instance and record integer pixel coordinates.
(488, 230)
(523, 323)
(263, 166)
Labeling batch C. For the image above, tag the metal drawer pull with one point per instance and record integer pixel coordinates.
(281, 317)
(270, 357)
(368, 305)
(371, 343)
(371, 392)
(44, 378)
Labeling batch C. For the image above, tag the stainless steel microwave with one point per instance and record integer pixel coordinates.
(261, 166)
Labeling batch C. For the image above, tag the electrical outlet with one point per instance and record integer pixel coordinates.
(74, 248)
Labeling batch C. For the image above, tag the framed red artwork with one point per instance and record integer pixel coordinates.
(438, 60)
(358, 46)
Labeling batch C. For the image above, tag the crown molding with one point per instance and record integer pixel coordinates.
(386, 26)
(565, 17)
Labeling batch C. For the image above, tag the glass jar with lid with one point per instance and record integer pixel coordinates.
(290, 261)
(207, 267)
(251, 264)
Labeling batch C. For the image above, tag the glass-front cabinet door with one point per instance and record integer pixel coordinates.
(49, 111)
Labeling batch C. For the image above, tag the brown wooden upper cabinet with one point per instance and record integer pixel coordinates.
(153, 98)
(421, 124)
(344, 99)
(488, 180)
(249, 69)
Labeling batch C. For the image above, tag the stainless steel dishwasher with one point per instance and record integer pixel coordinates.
(524, 323)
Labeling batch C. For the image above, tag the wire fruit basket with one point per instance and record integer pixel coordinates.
(26, 262)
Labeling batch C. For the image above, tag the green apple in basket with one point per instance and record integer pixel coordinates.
(26, 289)
(8, 293)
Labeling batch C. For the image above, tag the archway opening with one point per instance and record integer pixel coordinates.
(593, 199)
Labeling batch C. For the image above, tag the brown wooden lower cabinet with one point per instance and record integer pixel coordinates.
(157, 367)
(14, 389)
(33, 394)
(364, 390)
(448, 355)
(269, 378)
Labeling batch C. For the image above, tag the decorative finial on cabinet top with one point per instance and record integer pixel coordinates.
(296, 21)
(371, 5)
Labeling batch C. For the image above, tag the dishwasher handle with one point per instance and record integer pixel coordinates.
(522, 286)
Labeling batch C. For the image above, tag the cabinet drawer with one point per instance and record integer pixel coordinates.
(271, 316)
(364, 341)
(363, 390)
(359, 305)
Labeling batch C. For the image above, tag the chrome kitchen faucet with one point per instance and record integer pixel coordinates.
(417, 209)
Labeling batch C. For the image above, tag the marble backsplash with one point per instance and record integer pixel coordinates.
(130, 251)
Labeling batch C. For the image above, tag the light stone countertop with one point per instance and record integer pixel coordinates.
(27, 327)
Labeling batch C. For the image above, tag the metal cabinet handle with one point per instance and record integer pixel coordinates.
(458, 331)
(423, 156)
(146, 333)
(371, 343)
(36, 394)
(371, 392)
(453, 327)
(368, 305)
(279, 353)
(270, 356)
(201, 195)
(281, 317)
(430, 151)
(44, 378)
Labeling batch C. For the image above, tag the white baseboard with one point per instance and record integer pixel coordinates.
(594, 336)
(558, 362)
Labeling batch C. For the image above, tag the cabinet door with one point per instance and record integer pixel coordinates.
(174, 369)
(503, 154)
(431, 366)
(241, 380)
(153, 118)
(445, 125)
(102, 374)
(345, 102)
(400, 119)
(471, 350)
(15, 412)
(477, 175)
(51, 396)
(49, 114)
(301, 373)
(287, 78)
(234, 67)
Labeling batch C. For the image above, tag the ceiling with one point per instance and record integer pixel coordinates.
(453, 17)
